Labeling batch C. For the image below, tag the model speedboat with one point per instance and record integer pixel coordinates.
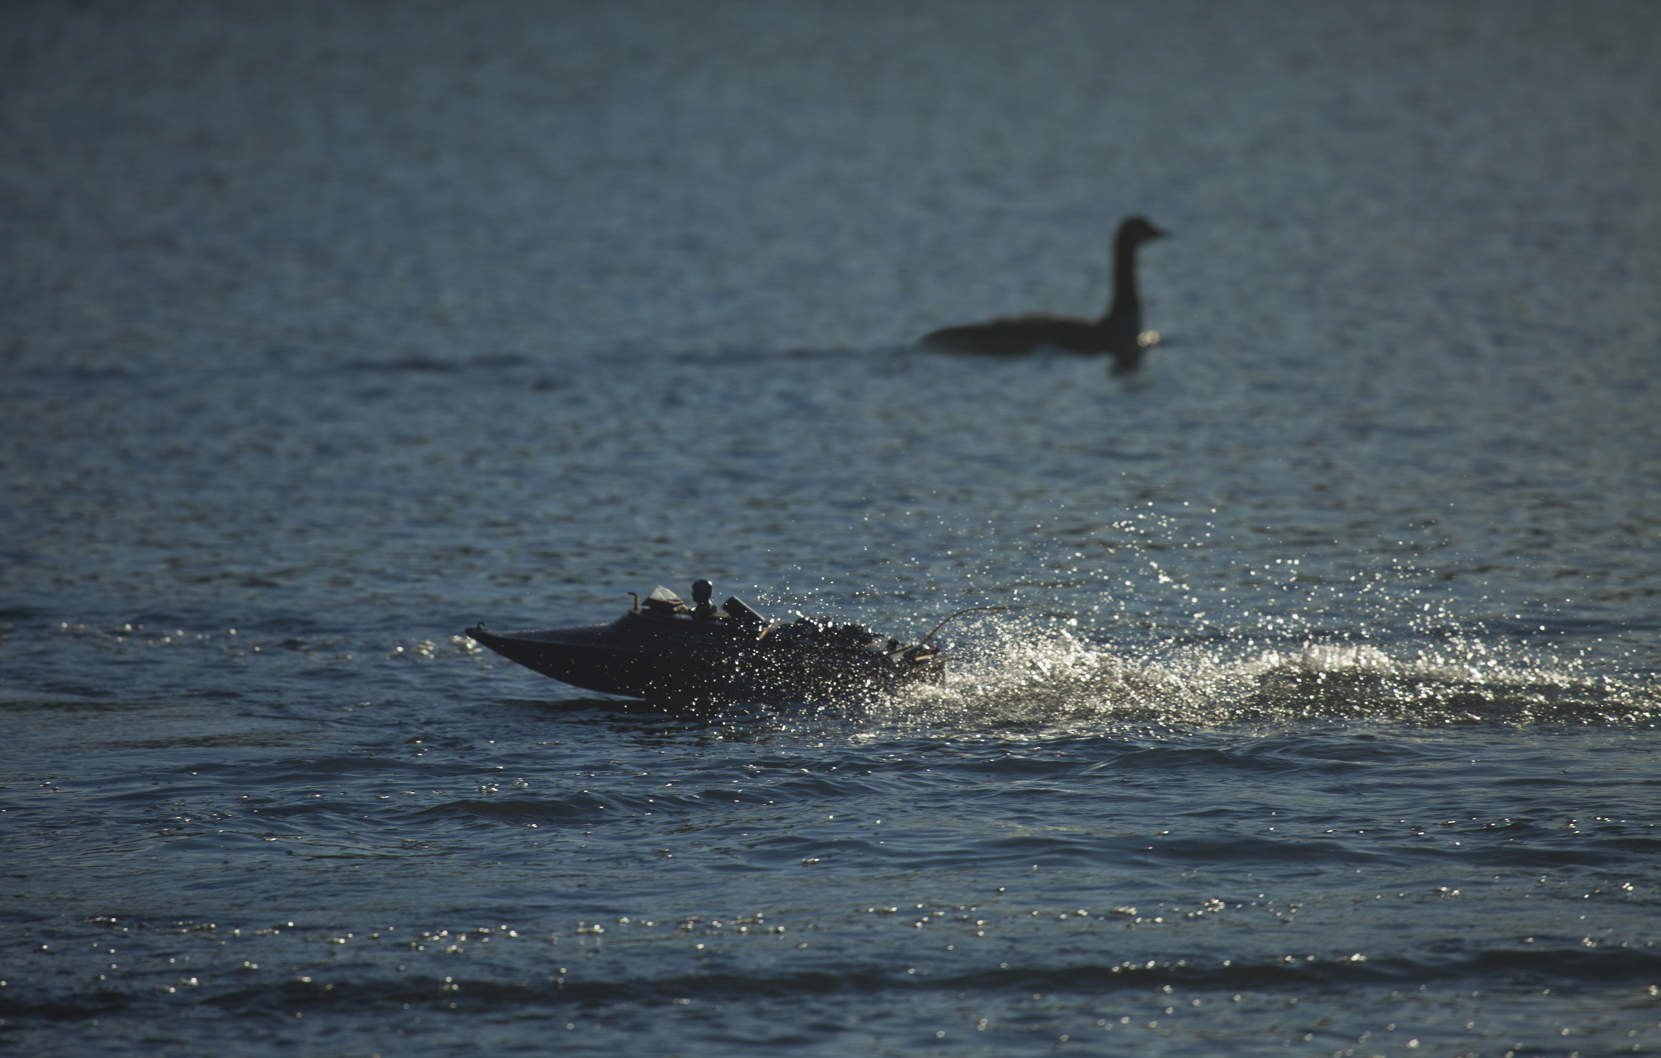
(666, 650)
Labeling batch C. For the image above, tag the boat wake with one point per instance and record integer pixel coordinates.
(1059, 679)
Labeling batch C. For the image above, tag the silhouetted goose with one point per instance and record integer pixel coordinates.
(1119, 332)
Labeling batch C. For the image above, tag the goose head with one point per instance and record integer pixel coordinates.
(1137, 230)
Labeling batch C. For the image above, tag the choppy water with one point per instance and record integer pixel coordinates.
(1325, 723)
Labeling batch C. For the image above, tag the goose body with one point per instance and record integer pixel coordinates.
(1119, 333)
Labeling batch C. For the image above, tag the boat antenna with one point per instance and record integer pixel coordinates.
(960, 613)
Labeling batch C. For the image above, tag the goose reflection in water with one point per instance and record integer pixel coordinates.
(1119, 333)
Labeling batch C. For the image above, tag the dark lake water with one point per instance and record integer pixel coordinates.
(1322, 718)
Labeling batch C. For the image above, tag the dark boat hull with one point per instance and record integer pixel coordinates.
(663, 658)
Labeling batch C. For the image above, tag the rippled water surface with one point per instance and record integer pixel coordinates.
(1321, 715)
